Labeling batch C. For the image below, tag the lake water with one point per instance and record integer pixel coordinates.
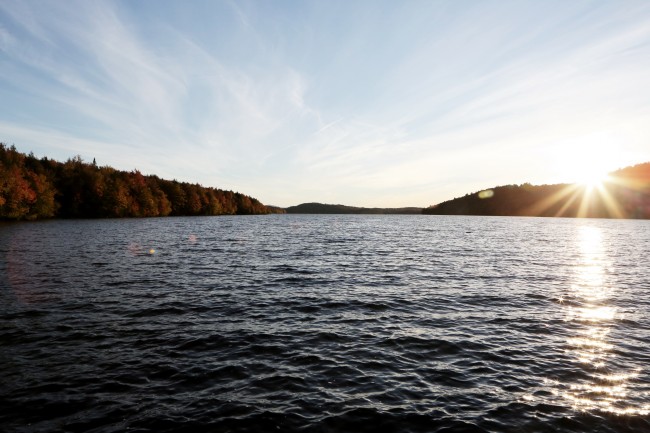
(321, 323)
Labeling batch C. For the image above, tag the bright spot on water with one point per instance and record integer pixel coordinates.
(152, 251)
(618, 377)
(605, 390)
(597, 313)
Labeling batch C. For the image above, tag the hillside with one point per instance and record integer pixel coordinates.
(626, 194)
(32, 188)
(320, 208)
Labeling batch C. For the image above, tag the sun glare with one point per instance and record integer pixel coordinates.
(588, 171)
(591, 177)
(586, 161)
(589, 189)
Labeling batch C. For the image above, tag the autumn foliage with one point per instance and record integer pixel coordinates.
(32, 188)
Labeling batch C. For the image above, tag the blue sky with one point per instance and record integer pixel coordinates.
(369, 103)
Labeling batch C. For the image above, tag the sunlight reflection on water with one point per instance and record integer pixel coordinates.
(606, 388)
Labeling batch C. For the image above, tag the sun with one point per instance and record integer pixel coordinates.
(585, 161)
(585, 171)
(591, 177)
(581, 167)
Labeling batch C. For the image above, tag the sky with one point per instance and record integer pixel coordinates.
(363, 103)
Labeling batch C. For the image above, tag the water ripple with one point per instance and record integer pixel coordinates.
(325, 324)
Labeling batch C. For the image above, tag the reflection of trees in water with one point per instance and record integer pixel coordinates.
(20, 274)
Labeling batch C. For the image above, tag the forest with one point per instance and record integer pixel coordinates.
(625, 194)
(33, 188)
(320, 208)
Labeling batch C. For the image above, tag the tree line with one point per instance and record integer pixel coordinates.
(626, 194)
(320, 208)
(33, 188)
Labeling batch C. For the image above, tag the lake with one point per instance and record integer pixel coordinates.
(325, 323)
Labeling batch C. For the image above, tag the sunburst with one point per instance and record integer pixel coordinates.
(578, 199)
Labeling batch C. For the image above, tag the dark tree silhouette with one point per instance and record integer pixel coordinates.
(626, 194)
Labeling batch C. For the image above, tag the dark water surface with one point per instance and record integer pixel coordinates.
(325, 324)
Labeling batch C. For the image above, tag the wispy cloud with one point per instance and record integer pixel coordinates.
(94, 66)
(323, 100)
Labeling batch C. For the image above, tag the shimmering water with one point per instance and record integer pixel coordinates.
(325, 324)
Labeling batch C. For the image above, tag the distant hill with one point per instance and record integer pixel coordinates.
(625, 195)
(32, 188)
(320, 208)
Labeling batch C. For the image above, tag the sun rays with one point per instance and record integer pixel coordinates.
(592, 197)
